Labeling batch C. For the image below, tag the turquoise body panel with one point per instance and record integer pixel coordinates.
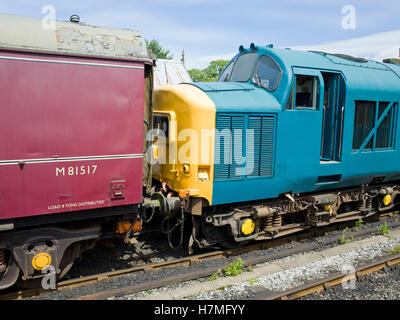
(297, 138)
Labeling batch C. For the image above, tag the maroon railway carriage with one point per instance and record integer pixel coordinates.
(73, 103)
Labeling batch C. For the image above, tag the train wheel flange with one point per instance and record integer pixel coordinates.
(10, 275)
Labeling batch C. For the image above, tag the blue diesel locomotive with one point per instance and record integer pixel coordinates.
(324, 144)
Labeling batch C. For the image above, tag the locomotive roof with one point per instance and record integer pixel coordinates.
(367, 78)
(27, 34)
(328, 61)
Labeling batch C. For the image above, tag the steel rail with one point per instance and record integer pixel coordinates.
(333, 280)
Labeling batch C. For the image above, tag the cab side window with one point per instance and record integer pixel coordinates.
(304, 93)
(267, 74)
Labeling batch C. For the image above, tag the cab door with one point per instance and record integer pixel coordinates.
(333, 117)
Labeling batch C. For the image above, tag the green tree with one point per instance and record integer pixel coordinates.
(209, 74)
(158, 50)
(215, 68)
(197, 75)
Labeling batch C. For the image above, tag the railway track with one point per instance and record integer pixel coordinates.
(195, 261)
(333, 280)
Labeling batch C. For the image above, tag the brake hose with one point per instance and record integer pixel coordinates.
(169, 231)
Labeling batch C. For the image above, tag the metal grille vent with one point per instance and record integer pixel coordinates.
(232, 145)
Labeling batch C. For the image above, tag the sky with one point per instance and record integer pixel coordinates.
(212, 29)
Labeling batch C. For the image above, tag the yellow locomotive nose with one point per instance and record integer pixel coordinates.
(186, 115)
(41, 261)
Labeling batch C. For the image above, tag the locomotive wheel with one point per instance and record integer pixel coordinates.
(10, 275)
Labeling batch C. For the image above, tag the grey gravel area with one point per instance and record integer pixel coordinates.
(291, 278)
(143, 277)
(284, 280)
(380, 285)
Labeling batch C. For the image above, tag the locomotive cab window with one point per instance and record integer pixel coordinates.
(267, 73)
(161, 124)
(304, 93)
(226, 74)
(241, 69)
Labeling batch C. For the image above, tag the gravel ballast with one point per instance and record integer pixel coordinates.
(380, 285)
(294, 277)
(326, 263)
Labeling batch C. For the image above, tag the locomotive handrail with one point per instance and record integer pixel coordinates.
(341, 133)
(323, 130)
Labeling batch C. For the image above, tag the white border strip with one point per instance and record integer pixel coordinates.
(122, 156)
(72, 62)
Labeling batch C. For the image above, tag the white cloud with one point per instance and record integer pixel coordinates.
(375, 47)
